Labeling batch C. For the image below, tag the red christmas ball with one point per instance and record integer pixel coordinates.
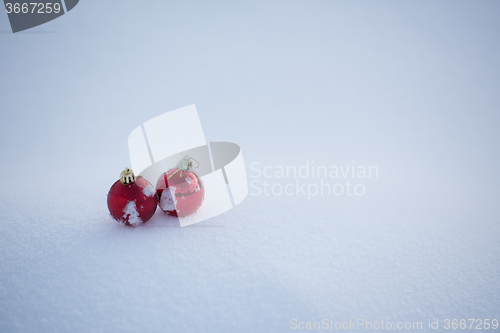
(132, 201)
(180, 191)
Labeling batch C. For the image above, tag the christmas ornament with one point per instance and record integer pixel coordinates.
(132, 201)
(180, 190)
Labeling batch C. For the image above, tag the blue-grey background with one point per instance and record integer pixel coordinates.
(409, 86)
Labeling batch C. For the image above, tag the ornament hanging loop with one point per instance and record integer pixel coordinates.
(186, 164)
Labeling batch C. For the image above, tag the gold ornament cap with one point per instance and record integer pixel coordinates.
(186, 164)
(127, 177)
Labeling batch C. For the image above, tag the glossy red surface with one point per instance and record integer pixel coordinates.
(187, 189)
(132, 204)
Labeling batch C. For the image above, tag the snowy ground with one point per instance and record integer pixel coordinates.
(409, 87)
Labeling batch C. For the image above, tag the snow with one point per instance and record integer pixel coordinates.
(167, 200)
(132, 214)
(189, 180)
(411, 87)
(149, 191)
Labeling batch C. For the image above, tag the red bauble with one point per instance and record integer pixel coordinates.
(132, 201)
(180, 191)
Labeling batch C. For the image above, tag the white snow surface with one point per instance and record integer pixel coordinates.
(408, 86)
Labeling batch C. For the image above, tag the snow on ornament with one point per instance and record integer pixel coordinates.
(132, 201)
(180, 190)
